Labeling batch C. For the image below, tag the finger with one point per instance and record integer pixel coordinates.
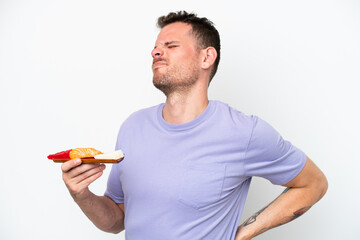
(77, 184)
(87, 181)
(84, 180)
(74, 174)
(68, 165)
(88, 173)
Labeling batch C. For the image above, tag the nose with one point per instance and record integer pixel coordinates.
(157, 52)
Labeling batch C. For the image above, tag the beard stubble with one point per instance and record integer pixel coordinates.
(178, 78)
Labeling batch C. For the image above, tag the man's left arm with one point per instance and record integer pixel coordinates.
(308, 187)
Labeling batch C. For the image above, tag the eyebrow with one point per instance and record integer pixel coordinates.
(169, 43)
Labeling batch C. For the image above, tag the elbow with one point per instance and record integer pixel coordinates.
(114, 229)
(322, 186)
(318, 182)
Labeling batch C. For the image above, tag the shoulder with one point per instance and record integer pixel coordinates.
(135, 122)
(142, 115)
(258, 130)
(138, 120)
(236, 117)
(242, 119)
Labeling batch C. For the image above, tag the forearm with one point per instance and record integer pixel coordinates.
(308, 187)
(291, 204)
(103, 212)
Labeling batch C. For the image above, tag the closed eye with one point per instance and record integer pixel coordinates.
(172, 44)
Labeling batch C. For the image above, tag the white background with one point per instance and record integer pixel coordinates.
(72, 71)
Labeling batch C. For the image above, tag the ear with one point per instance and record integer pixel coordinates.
(208, 55)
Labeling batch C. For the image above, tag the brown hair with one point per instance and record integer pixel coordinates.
(202, 28)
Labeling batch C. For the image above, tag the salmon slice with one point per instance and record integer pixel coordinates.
(84, 152)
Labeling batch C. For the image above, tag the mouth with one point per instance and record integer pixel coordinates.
(159, 64)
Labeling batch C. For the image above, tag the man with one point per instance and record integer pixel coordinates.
(189, 161)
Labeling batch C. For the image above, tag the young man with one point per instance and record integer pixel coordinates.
(189, 161)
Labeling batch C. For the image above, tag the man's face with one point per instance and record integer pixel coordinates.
(176, 64)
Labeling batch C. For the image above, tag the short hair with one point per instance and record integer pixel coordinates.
(202, 28)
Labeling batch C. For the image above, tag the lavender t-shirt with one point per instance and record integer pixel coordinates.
(190, 181)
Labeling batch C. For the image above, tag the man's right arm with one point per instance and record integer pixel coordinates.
(101, 210)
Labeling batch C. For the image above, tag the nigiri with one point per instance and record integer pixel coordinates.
(75, 153)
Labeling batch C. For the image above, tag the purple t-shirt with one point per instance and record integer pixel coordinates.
(190, 181)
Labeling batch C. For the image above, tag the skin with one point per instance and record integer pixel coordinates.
(188, 96)
(182, 72)
(308, 187)
(102, 211)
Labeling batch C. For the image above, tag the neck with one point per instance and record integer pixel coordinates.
(182, 107)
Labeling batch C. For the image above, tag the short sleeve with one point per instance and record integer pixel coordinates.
(114, 189)
(270, 156)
